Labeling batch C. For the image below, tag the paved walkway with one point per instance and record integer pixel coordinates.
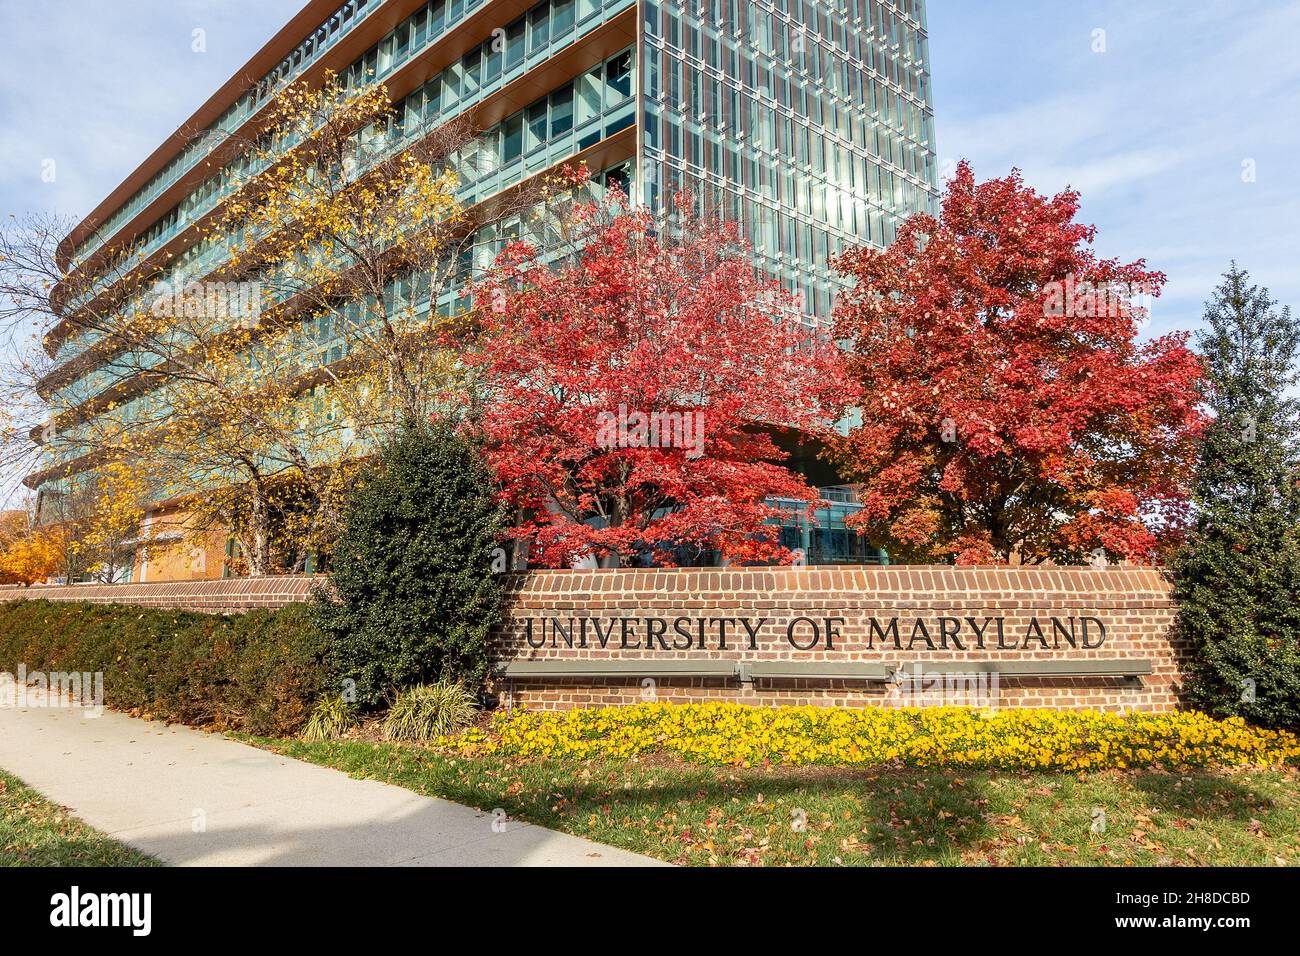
(152, 786)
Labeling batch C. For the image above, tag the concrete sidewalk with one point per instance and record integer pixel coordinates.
(152, 786)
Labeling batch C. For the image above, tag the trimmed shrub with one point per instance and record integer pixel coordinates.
(258, 672)
(412, 568)
(277, 669)
(426, 711)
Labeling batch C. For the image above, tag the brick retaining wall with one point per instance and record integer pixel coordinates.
(1133, 604)
(220, 596)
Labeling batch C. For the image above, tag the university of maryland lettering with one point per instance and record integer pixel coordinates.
(811, 632)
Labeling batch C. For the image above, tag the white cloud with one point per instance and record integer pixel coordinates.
(1153, 132)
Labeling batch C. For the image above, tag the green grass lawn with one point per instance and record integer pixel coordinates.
(36, 832)
(706, 816)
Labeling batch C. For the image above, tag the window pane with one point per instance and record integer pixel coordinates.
(493, 55)
(618, 74)
(433, 98)
(539, 29)
(562, 110)
(536, 134)
(588, 96)
(470, 64)
(514, 138)
(453, 80)
(561, 17)
(515, 45)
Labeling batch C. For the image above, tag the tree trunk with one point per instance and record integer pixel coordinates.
(259, 545)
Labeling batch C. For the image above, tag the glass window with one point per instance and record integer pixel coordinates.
(487, 159)
(618, 178)
(513, 140)
(622, 123)
(453, 81)
(561, 17)
(515, 45)
(403, 40)
(618, 75)
(433, 98)
(471, 64)
(562, 110)
(493, 57)
(536, 132)
(588, 96)
(539, 28)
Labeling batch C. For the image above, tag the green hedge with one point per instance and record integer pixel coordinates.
(260, 672)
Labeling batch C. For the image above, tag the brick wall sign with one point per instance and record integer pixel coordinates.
(895, 636)
(892, 636)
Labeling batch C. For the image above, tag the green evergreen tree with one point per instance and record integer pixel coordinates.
(1238, 575)
(413, 568)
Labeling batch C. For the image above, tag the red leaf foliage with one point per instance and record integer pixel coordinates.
(661, 317)
(1007, 404)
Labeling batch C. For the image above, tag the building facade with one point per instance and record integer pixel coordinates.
(807, 121)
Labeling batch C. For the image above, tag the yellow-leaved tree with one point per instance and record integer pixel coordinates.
(236, 379)
(28, 554)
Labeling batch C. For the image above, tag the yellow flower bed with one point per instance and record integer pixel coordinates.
(734, 734)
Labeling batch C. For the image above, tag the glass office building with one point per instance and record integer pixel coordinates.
(808, 121)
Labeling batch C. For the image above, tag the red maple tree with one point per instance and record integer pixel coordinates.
(1007, 406)
(634, 381)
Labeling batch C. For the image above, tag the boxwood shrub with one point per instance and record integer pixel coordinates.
(259, 671)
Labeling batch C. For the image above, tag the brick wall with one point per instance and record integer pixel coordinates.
(1133, 605)
(222, 596)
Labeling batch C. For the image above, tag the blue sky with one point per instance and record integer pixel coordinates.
(96, 85)
(1154, 130)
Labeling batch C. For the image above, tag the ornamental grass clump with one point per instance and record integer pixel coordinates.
(330, 719)
(939, 737)
(428, 711)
